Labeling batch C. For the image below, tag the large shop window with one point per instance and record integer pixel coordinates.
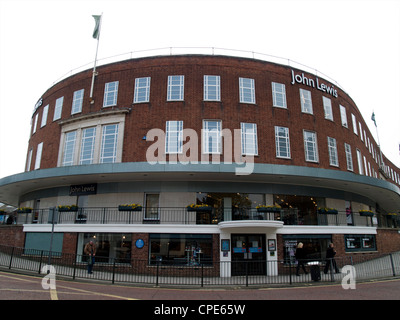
(314, 246)
(360, 242)
(180, 249)
(109, 246)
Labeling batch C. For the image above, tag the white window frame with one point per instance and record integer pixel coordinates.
(110, 94)
(77, 101)
(247, 90)
(174, 137)
(44, 116)
(333, 155)
(212, 88)
(359, 162)
(343, 116)
(349, 157)
(29, 160)
(176, 88)
(69, 148)
(279, 95)
(310, 140)
(35, 122)
(39, 152)
(327, 103)
(282, 142)
(354, 121)
(142, 90)
(88, 143)
(212, 133)
(58, 108)
(106, 138)
(306, 101)
(249, 138)
(361, 135)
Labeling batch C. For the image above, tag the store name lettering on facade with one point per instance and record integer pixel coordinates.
(301, 78)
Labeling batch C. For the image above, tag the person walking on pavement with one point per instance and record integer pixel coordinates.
(300, 256)
(90, 251)
(330, 259)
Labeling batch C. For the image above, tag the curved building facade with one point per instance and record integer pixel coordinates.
(264, 151)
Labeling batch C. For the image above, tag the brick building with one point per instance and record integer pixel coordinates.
(269, 155)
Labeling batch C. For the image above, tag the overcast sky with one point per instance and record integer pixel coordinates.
(355, 42)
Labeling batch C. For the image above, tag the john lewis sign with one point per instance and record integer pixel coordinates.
(314, 83)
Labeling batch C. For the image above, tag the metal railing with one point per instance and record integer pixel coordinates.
(181, 215)
(235, 273)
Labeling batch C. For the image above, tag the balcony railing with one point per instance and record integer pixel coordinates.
(181, 215)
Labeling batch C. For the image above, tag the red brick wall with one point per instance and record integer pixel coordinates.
(193, 109)
(12, 236)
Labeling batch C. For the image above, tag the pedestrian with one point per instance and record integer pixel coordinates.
(90, 251)
(330, 259)
(300, 256)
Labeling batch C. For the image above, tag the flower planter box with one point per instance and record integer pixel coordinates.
(24, 211)
(129, 208)
(366, 214)
(66, 209)
(200, 209)
(328, 211)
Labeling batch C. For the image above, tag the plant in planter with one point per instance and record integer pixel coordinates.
(130, 207)
(67, 208)
(199, 207)
(327, 211)
(24, 210)
(264, 208)
(366, 213)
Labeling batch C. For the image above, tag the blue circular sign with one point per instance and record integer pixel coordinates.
(139, 243)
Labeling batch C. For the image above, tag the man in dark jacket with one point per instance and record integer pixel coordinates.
(300, 256)
(90, 251)
(330, 255)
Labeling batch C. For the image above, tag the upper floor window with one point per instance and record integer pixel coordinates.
(361, 135)
(247, 90)
(142, 90)
(279, 95)
(110, 94)
(44, 116)
(306, 102)
(39, 151)
(354, 121)
(77, 101)
(327, 108)
(109, 143)
(174, 137)
(343, 116)
(333, 156)
(58, 108)
(87, 145)
(69, 148)
(176, 85)
(310, 146)
(35, 123)
(282, 143)
(249, 139)
(212, 88)
(349, 157)
(212, 136)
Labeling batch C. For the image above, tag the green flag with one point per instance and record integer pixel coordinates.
(96, 31)
(373, 118)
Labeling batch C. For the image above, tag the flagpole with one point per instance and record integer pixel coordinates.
(379, 144)
(95, 62)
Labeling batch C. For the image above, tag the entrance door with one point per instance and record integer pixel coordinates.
(248, 254)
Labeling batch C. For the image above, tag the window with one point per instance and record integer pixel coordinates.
(38, 155)
(29, 160)
(354, 121)
(35, 123)
(44, 116)
(279, 95)
(306, 103)
(109, 144)
(349, 158)
(110, 94)
(282, 142)
(333, 156)
(211, 136)
(181, 249)
(174, 137)
(359, 162)
(142, 90)
(365, 166)
(327, 108)
(361, 135)
(360, 242)
(212, 88)
(246, 90)
(87, 145)
(310, 146)
(175, 88)
(58, 108)
(343, 116)
(77, 101)
(249, 139)
(69, 148)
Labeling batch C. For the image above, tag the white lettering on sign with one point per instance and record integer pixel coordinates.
(302, 79)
